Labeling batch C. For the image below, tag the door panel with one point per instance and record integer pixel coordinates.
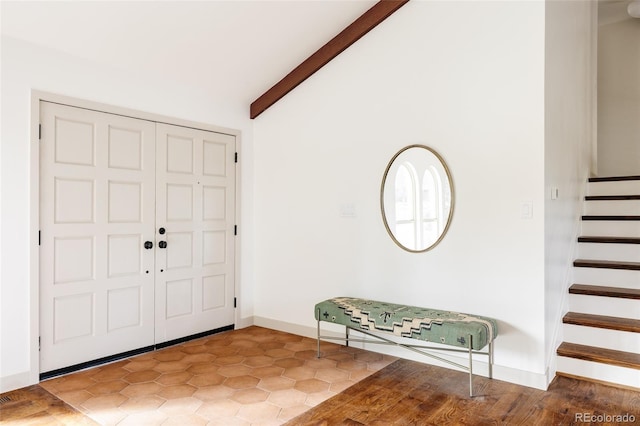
(195, 197)
(97, 207)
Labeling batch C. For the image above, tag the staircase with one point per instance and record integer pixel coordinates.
(602, 329)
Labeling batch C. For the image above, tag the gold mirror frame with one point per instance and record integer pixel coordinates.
(383, 209)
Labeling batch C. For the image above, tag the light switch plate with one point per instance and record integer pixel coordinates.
(526, 210)
(347, 210)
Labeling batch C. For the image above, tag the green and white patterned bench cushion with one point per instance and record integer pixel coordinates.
(430, 325)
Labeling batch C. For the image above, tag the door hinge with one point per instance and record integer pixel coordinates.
(235, 229)
(236, 157)
(39, 240)
(39, 346)
(39, 132)
(235, 302)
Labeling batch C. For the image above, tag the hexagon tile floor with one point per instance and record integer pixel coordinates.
(252, 376)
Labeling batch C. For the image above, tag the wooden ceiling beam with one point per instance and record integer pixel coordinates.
(365, 23)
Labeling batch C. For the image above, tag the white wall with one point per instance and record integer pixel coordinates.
(569, 98)
(26, 67)
(619, 98)
(467, 79)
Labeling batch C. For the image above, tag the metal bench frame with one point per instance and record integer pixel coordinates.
(421, 349)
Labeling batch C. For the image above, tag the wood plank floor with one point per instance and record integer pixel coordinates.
(411, 393)
(35, 406)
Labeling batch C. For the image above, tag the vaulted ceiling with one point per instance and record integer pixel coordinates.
(232, 50)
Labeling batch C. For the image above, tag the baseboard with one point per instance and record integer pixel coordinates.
(507, 374)
(244, 322)
(17, 381)
(300, 330)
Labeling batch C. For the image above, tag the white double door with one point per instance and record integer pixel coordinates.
(137, 233)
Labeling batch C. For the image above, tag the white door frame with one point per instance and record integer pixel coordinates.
(34, 252)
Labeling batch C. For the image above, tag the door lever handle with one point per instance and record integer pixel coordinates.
(162, 244)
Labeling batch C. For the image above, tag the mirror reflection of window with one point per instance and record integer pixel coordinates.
(418, 206)
(416, 198)
(405, 205)
(431, 217)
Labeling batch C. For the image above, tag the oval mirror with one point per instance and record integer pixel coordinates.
(416, 198)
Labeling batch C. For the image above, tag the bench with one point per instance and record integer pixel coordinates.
(471, 332)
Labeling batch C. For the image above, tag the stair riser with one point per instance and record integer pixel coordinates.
(598, 371)
(609, 339)
(607, 228)
(601, 251)
(607, 277)
(617, 207)
(609, 306)
(628, 187)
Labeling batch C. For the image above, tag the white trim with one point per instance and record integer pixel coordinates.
(236, 241)
(34, 251)
(33, 375)
(558, 328)
(563, 307)
(244, 322)
(15, 381)
(593, 92)
(300, 330)
(142, 115)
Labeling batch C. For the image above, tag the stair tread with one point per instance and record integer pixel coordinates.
(614, 240)
(612, 178)
(595, 354)
(610, 217)
(598, 290)
(611, 197)
(602, 321)
(607, 264)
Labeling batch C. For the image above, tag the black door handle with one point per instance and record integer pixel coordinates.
(162, 244)
(148, 245)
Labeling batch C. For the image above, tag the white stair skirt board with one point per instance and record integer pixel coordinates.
(598, 371)
(599, 337)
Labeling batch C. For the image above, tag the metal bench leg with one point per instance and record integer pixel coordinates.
(470, 366)
(491, 360)
(318, 332)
